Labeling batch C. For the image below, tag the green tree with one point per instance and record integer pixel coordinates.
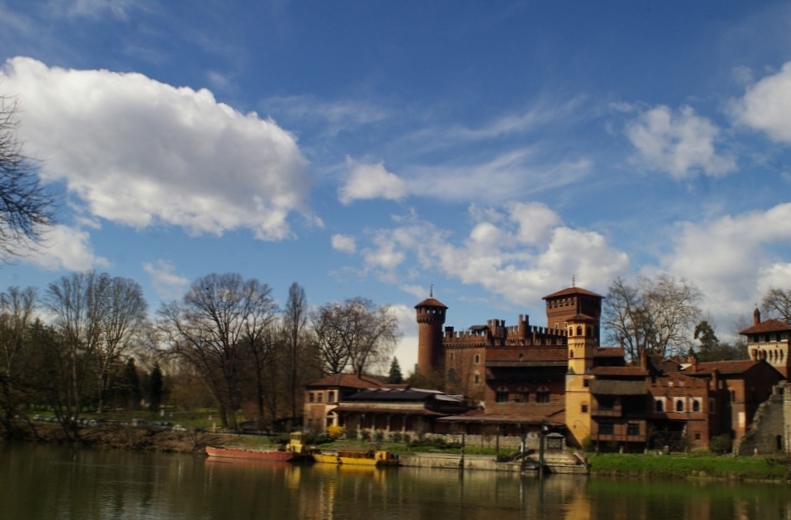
(156, 388)
(395, 377)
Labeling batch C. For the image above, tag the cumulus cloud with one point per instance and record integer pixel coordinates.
(166, 283)
(502, 253)
(65, 248)
(731, 258)
(343, 243)
(766, 106)
(680, 143)
(371, 181)
(140, 152)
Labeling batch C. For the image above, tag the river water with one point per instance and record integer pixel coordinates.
(52, 482)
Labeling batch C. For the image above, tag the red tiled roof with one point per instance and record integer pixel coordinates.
(767, 326)
(738, 366)
(553, 415)
(609, 352)
(572, 290)
(431, 302)
(539, 353)
(619, 371)
(348, 381)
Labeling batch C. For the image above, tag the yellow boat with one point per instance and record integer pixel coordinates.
(358, 458)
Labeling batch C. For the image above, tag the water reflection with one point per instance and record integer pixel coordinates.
(52, 482)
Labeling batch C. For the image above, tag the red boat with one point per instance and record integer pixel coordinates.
(230, 453)
(293, 451)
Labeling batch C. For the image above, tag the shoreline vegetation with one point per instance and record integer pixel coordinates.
(692, 465)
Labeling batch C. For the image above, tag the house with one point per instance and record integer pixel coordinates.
(322, 398)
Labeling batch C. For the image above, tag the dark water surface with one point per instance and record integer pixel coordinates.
(51, 482)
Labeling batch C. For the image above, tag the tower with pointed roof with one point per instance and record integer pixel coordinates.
(430, 319)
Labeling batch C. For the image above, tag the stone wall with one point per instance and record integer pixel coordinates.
(771, 429)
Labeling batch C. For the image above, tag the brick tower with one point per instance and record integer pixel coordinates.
(430, 318)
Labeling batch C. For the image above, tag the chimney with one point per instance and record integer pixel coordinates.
(756, 316)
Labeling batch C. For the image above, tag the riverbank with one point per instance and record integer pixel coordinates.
(692, 466)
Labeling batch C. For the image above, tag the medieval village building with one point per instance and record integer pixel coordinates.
(523, 379)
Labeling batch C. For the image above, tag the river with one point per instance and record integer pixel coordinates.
(53, 482)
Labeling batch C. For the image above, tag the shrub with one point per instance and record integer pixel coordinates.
(334, 432)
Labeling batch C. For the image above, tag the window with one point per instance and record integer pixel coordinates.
(542, 396)
(584, 408)
(330, 397)
(451, 356)
(522, 395)
(632, 429)
(476, 378)
(606, 428)
(477, 359)
(311, 397)
(606, 403)
(501, 396)
(319, 397)
(679, 404)
(659, 405)
(697, 436)
(696, 405)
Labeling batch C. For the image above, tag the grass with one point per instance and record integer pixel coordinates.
(692, 466)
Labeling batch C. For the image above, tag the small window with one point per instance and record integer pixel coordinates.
(584, 408)
(477, 359)
(697, 436)
(679, 405)
(451, 356)
(632, 429)
(696, 405)
(319, 397)
(659, 405)
(606, 428)
(330, 397)
(501, 396)
(542, 396)
(311, 397)
(476, 378)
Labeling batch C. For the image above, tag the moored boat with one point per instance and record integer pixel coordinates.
(358, 458)
(292, 452)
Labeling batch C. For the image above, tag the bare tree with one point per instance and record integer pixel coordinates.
(207, 328)
(99, 317)
(17, 312)
(777, 304)
(294, 330)
(355, 333)
(25, 206)
(656, 317)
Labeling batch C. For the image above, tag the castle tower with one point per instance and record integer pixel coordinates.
(582, 343)
(565, 304)
(430, 318)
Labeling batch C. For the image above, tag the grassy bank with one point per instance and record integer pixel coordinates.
(691, 466)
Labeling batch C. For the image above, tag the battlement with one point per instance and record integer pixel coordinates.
(496, 333)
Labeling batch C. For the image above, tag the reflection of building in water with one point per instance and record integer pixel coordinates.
(522, 380)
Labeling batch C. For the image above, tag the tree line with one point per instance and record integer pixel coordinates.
(89, 343)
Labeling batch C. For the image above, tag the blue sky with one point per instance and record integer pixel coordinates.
(492, 149)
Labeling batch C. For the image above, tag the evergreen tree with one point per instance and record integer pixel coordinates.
(395, 377)
(131, 386)
(155, 388)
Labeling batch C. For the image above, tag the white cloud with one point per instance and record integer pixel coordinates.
(766, 106)
(343, 243)
(371, 181)
(140, 152)
(730, 258)
(496, 256)
(65, 248)
(93, 8)
(507, 176)
(680, 143)
(167, 284)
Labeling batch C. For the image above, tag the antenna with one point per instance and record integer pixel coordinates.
(573, 280)
(431, 291)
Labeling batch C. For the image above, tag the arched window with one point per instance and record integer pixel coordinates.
(659, 405)
(695, 405)
(542, 396)
(501, 396)
(579, 330)
(679, 405)
(330, 396)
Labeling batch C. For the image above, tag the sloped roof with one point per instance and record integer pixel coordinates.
(431, 302)
(767, 326)
(609, 352)
(733, 367)
(348, 381)
(532, 413)
(616, 387)
(393, 394)
(573, 290)
(619, 371)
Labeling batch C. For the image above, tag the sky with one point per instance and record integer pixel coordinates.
(496, 151)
